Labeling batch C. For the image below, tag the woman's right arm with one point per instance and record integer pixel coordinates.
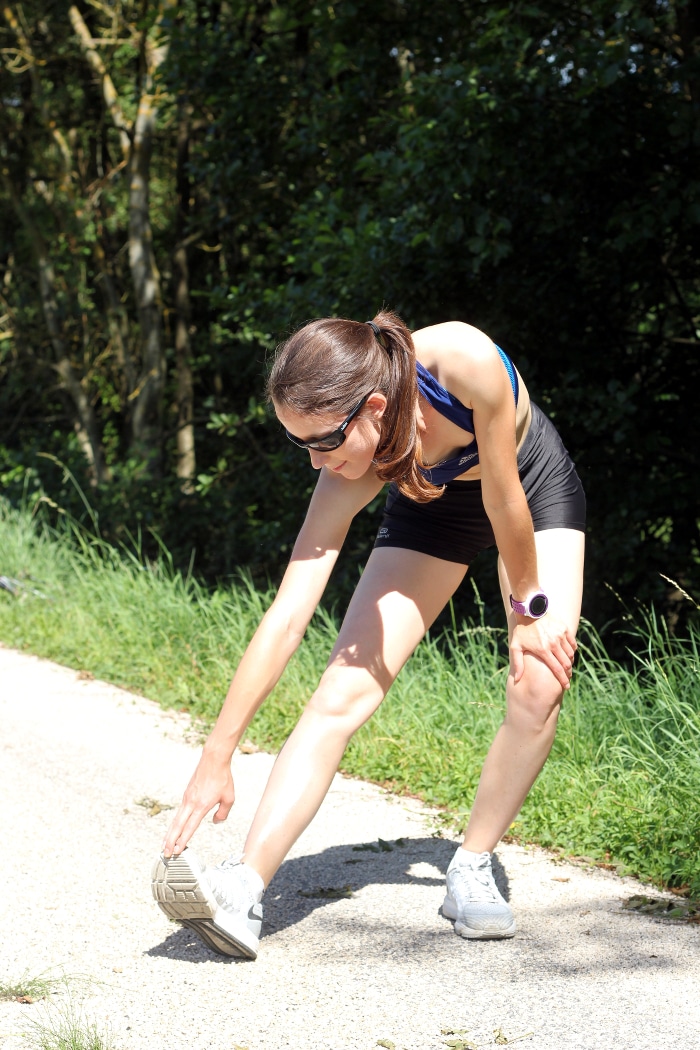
(333, 505)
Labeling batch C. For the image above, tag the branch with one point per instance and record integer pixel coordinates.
(109, 92)
(147, 397)
(26, 49)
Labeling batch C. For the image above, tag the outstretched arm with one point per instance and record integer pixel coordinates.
(333, 505)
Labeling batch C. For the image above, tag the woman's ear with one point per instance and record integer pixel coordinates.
(375, 405)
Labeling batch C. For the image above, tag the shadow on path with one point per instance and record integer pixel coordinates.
(304, 884)
(598, 941)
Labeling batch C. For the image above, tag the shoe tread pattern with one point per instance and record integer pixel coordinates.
(180, 895)
(178, 891)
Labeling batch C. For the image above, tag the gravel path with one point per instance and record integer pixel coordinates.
(79, 757)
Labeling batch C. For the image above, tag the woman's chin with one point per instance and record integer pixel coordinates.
(347, 469)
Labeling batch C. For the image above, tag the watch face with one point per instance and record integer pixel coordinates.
(538, 605)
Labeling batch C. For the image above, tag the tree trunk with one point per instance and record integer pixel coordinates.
(86, 424)
(186, 460)
(146, 419)
(117, 321)
(146, 396)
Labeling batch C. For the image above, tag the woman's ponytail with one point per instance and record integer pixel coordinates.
(399, 453)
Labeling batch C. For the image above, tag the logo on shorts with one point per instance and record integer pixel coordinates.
(383, 534)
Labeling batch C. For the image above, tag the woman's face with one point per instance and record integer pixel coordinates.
(354, 457)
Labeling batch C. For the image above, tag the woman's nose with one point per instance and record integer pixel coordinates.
(318, 459)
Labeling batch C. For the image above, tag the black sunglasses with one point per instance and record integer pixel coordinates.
(329, 441)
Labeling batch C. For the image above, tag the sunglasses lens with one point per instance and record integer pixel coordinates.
(329, 443)
(326, 444)
(333, 440)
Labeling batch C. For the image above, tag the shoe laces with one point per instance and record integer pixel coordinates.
(228, 884)
(231, 884)
(230, 862)
(477, 880)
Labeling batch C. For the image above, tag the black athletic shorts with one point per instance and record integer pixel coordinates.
(456, 527)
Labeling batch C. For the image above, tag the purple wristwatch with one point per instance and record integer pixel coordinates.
(535, 606)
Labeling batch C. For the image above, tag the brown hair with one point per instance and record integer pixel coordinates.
(327, 366)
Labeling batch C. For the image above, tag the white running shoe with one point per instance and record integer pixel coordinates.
(472, 899)
(222, 904)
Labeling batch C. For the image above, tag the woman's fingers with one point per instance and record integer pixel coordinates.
(554, 663)
(210, 788)
(560, 666)
(222, 812)
(186, 823)
(517, 663)
(551, 642)
(569, 644)
(183, 836)
(174, 834)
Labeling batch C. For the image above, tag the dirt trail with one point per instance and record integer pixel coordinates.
(81, 759)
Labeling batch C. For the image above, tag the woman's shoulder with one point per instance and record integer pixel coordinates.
(453, 349)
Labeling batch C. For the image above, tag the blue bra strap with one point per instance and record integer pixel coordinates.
(513, 375)
(441, 399)
(450, 406)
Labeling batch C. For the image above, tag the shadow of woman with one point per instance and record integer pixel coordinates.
(304, 884)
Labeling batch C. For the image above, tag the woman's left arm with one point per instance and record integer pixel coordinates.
(491, 395)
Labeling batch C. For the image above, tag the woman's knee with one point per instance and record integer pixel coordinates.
(534, 702)
(346, 696)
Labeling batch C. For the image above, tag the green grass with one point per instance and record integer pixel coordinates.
(622, 783)
(64, 1026)
(29, 989)
(61, 1024)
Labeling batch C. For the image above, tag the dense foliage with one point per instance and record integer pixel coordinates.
(182, 183)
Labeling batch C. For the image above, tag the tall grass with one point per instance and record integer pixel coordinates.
(623, 780)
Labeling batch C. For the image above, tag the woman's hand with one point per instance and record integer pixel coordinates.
(211, 785)
(551, 641)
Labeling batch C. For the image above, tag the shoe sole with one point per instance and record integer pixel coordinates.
(449, 910)
(208, 933)
(183, 895)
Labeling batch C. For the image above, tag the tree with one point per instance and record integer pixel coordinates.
(530, 169)
(68, 180)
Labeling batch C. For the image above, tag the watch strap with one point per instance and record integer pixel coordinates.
(535, 605)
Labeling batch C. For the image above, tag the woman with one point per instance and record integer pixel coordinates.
(444, 416)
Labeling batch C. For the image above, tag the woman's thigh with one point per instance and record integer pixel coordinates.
(398, 597)
(534, 700)
(560, 554)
